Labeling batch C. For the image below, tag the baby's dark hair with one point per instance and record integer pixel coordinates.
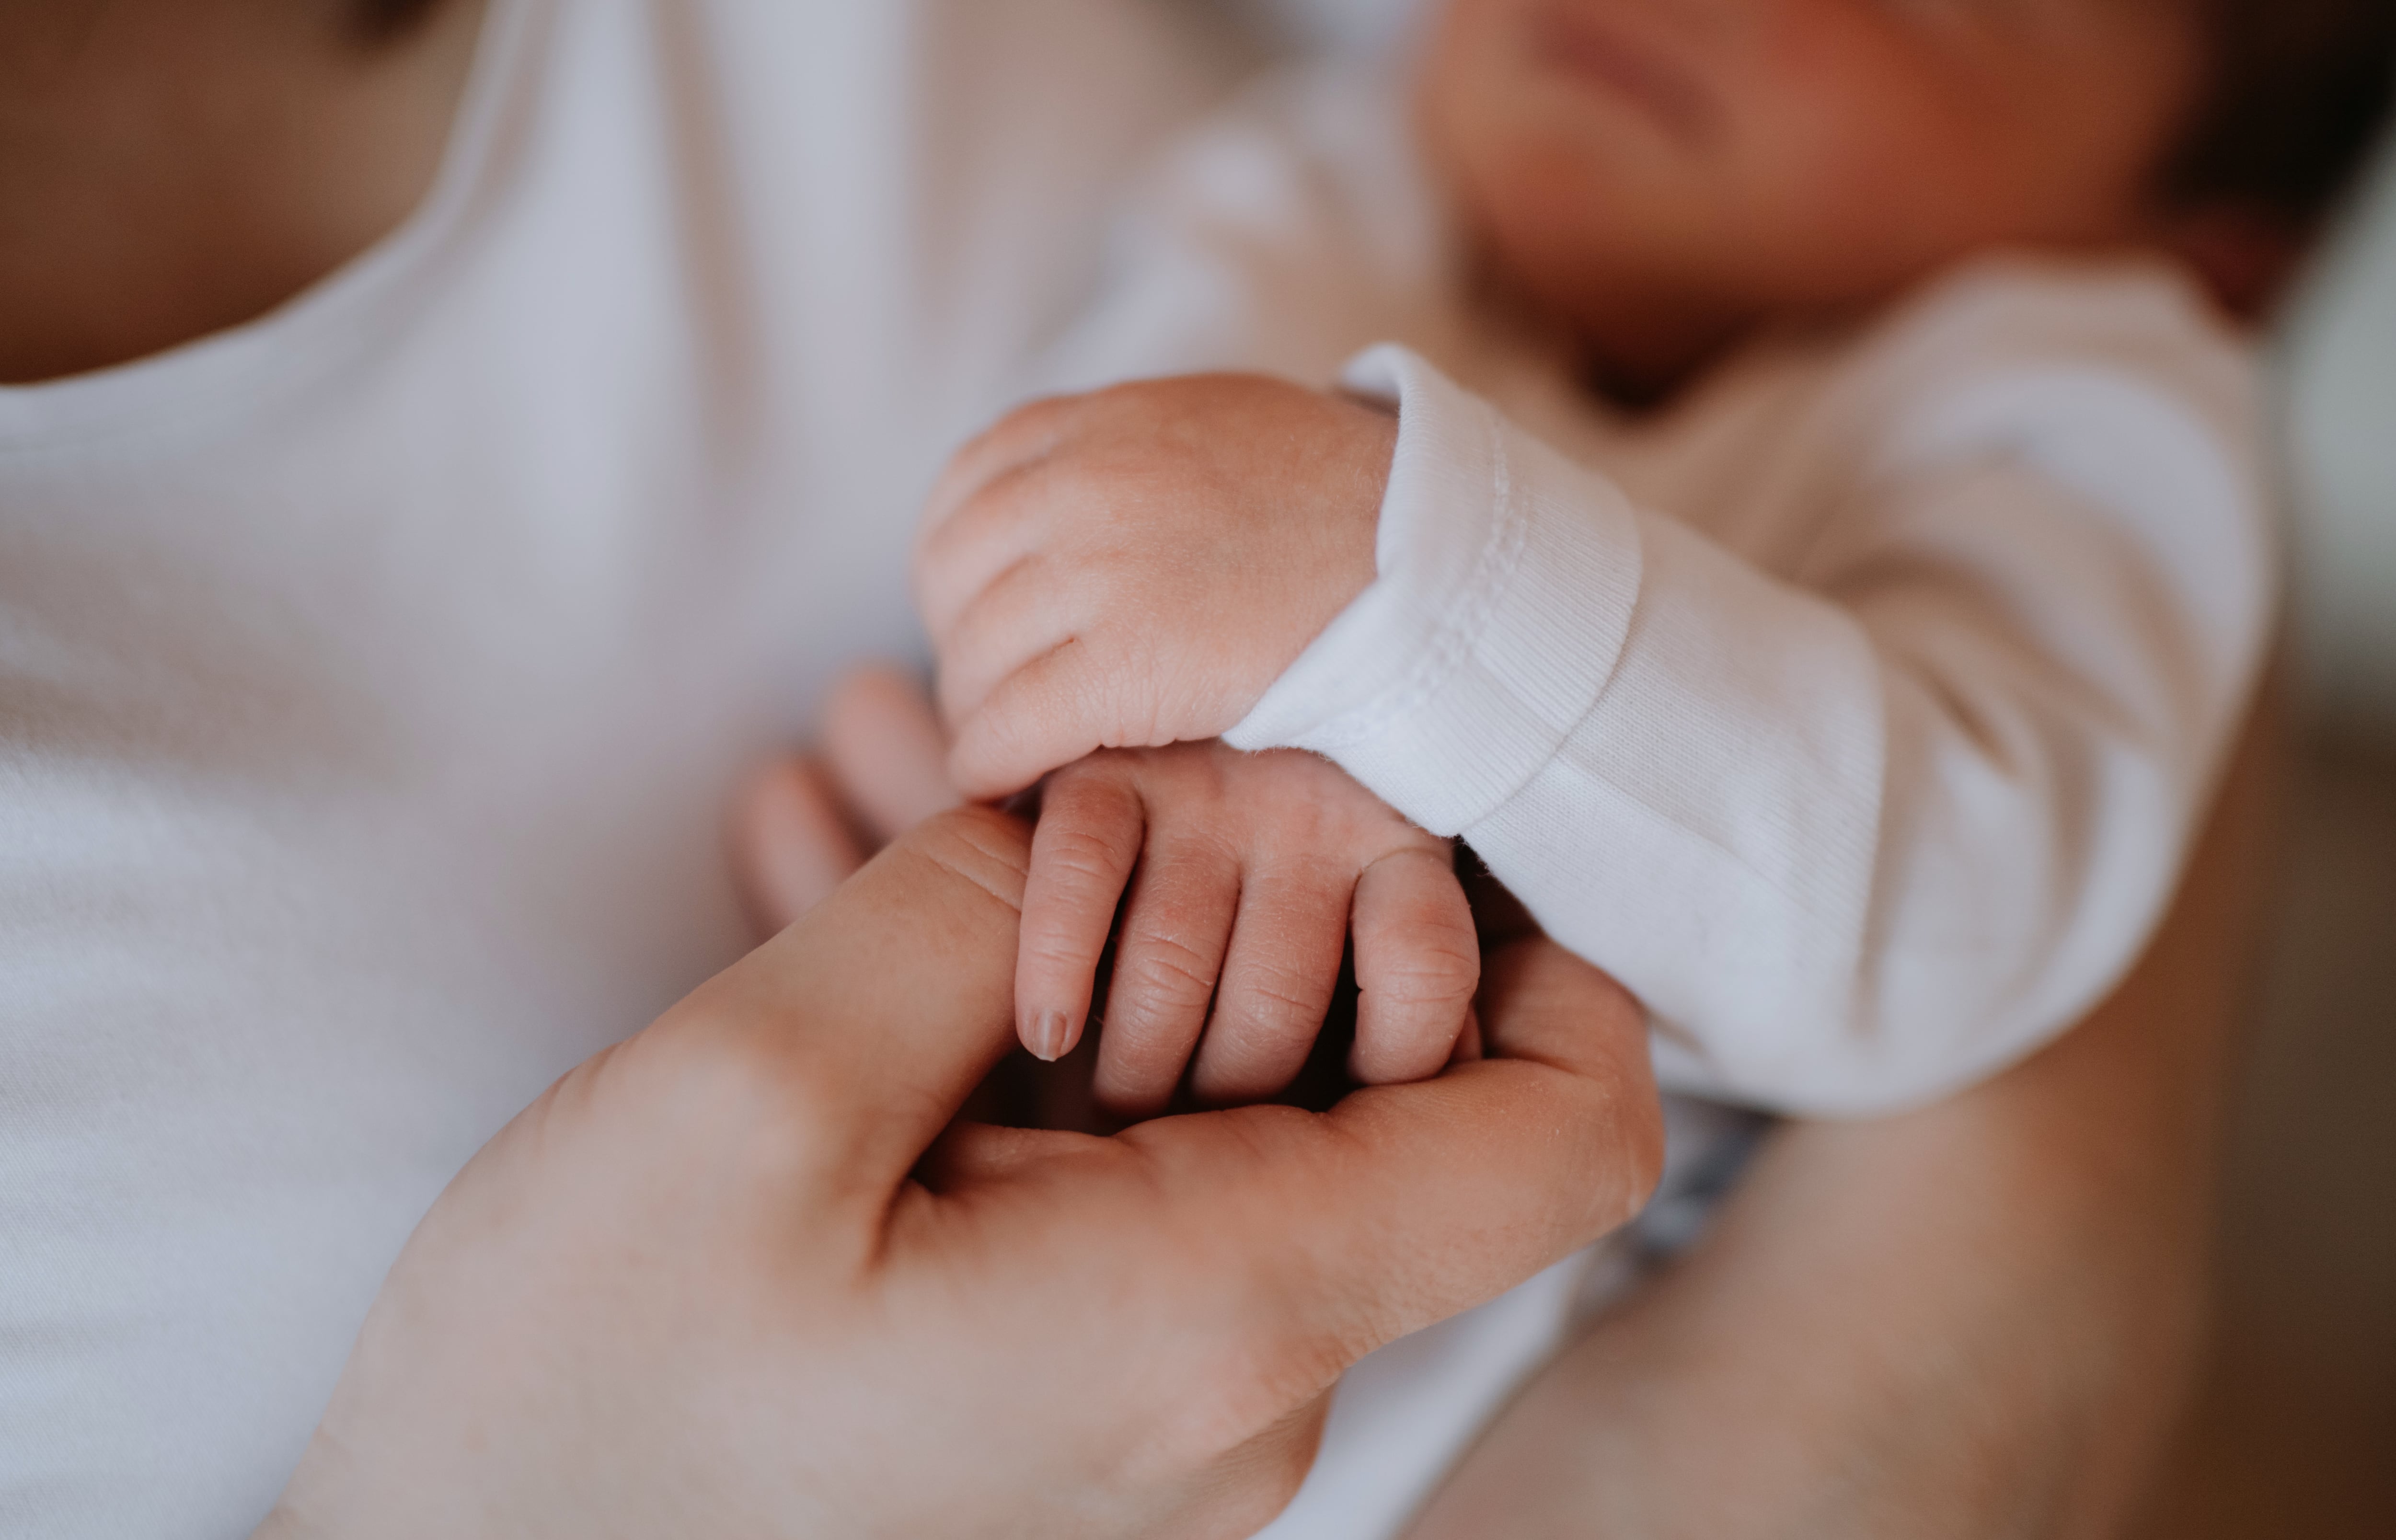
(2298, 93)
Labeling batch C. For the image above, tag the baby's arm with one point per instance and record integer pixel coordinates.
(1873, 835)
(1246, 874)
(1891, 827)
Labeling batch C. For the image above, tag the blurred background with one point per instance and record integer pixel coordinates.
(2296, 1430)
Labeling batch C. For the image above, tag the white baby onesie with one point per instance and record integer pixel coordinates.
(1864, 742)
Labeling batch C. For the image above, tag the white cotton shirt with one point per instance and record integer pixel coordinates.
(374, 677)
(1857, 713)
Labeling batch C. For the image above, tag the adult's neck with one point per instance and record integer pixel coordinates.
(170, 168)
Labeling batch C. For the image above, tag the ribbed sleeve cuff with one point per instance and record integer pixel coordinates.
(1506, 580)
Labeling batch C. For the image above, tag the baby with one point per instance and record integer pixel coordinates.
(1827, 616)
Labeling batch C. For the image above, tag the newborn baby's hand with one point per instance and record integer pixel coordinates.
(1247, 872)
(1134, 567)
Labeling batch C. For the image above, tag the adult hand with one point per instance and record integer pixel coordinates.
(1132, 568)
(731, 1277)
(807, 823)
(1185, 818)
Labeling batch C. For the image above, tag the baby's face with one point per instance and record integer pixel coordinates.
(1662, 174)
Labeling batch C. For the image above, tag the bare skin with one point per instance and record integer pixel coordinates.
(170, 168)
(1660, 177)
(1976, 1321)
(744, 1273)
(115, 118)
(1653, 181)
(1241, 877)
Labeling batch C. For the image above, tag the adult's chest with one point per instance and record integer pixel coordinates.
(365, 742)
(372, 682)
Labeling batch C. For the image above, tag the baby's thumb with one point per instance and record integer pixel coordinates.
(1043, 717)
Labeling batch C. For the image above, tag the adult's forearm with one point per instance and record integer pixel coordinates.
(1979, 1319)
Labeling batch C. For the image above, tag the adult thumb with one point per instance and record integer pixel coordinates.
(870, 1020)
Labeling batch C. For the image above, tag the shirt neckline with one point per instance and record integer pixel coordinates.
(324, 321)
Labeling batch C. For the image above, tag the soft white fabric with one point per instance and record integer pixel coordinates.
(373, 677)
(1860, 721)
(1856, 713)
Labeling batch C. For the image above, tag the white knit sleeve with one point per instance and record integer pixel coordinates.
(1854, 844)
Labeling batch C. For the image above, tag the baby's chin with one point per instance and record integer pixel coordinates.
(1633, 322)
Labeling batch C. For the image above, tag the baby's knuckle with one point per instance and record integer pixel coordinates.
(1168, 972)
(1281, 1000)
(1428, 974)
(1031, 425)
(1080, 855)
(1061, 952)
(1088, 781)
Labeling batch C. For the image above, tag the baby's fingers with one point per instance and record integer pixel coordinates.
(1278, 980)
(1166, 963)
(1417, 964)
(1049, 713)
(1024, 437)
(1083, 853)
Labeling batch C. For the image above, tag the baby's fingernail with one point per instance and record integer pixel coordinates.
(1046, 1040)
